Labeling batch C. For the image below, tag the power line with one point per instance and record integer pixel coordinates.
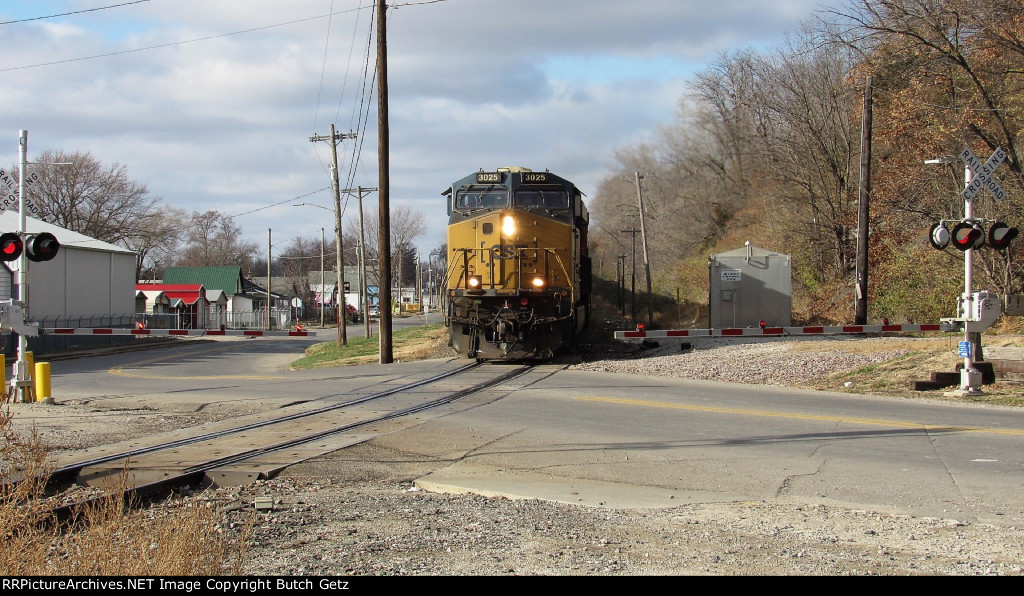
(323, 69)
(282, 202)
(178, 43)
(65, 14)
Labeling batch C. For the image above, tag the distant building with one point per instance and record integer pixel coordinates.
(184, 306)
(235, 302)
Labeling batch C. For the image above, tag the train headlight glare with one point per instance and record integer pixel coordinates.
(537, 282)
(475, 281)
(508, 225)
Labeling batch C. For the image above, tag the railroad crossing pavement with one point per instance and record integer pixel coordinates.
(607, 439)
(610, 440)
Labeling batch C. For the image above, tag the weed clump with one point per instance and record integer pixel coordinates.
(110, 536)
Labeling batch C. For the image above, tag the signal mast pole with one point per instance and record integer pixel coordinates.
(21, 380)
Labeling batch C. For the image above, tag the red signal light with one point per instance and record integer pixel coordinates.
(966, 236)
(10, 246)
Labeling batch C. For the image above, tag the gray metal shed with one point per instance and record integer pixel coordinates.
(749, 285)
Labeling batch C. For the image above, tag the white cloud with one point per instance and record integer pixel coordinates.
(224, 123)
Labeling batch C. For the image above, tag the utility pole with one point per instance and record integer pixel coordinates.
(384, 183)
(647, 261)
(621, 270)
(861, 315)
(334, 139)
(632, 273)
(267, 320)
(322, 282)
(363, 298)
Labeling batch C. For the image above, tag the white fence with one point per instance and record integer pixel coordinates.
(280, 318)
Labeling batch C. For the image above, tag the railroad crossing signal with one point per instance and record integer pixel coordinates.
(1000, 235)
(11, 246)
(966, 235)
(939, 236)
(969, 233)
(41, 247)
(37, 247)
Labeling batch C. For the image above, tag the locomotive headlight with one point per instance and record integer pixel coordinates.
(474, 282)
(537, 283)
(508, 225)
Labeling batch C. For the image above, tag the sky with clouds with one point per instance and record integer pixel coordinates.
(211, 103)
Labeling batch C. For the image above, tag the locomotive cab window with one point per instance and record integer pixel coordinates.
(489, 199)
(542, 198)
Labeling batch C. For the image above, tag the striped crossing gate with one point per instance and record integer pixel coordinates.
(178, 332)
(640, 335)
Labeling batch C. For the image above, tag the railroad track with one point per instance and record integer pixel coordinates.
(260, 446)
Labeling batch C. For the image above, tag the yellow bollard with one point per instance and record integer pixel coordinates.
(42, 381)
(30, 360)
(3, 371)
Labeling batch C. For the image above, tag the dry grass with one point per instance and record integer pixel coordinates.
(109, 538)
(922, 357)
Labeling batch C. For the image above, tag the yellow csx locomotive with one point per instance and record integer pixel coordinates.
(518, 280)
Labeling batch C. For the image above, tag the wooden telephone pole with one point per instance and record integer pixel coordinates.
(861, 314)
(384, 187)
(334, 139)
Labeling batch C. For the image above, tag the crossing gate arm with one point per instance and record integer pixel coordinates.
(177, 332)
(670, 334)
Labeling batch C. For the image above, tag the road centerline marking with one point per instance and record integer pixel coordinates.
(794, 416)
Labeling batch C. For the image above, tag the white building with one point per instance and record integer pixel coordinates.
(89, 283)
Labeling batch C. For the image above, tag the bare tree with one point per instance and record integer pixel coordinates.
(407, 224)
(951, 74)
(84, 196)
(973, 46)
(213, 240)
(158, 246)
(103, 203)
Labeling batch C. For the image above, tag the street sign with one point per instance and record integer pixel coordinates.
(983, 174)
(964, 349)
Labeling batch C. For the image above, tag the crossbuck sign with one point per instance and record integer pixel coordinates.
(983, 174)
(10, 199)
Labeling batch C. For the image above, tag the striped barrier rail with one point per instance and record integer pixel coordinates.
(178, 332)
(781, 331)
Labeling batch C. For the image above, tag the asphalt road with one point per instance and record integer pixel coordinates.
(626, 440)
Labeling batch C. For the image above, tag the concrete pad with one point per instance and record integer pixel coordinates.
(491, 481)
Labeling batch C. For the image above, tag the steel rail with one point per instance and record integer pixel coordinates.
(240, 457)
(196, 473)
(60, 473)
